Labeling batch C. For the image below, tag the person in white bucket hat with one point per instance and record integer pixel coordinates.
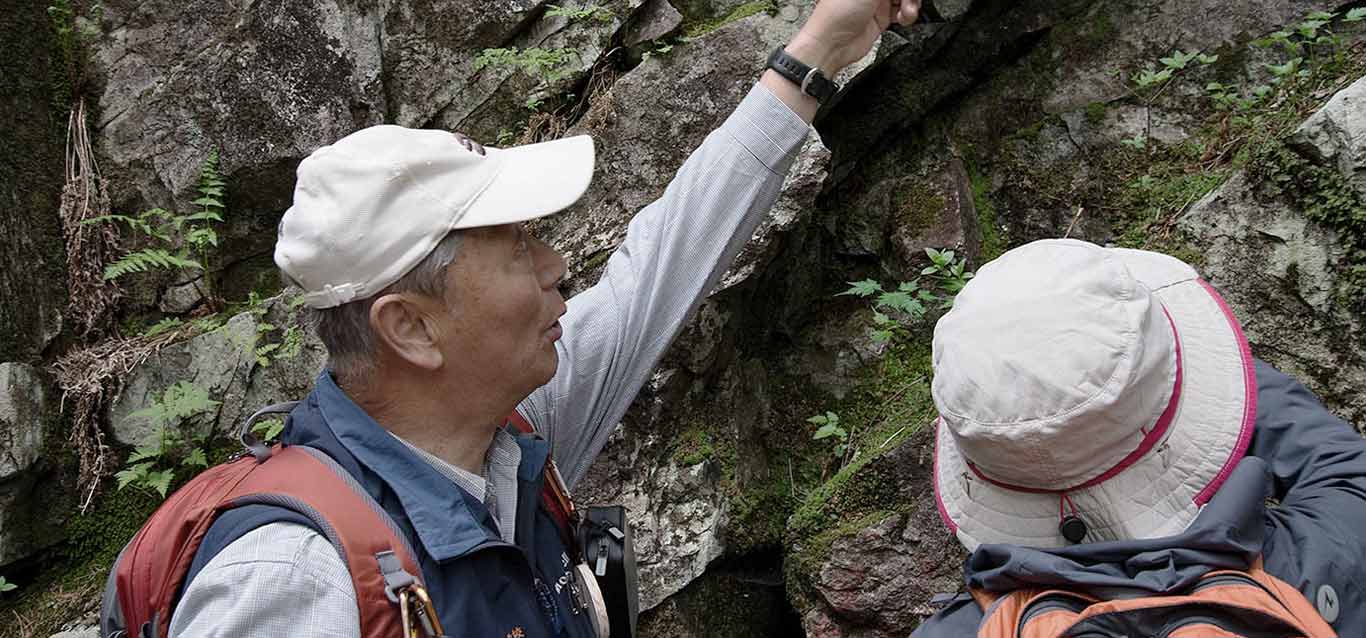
(1104, 426)
(444, 324)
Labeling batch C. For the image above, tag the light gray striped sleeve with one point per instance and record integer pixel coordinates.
(281, 580)
(674, 252)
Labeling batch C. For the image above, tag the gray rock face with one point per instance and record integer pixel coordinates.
(22, 418)
(1335, 135)
(30, 503)
(655, 19)
(877, 581)
(264, 83)
(225, 363)
(1277, 270)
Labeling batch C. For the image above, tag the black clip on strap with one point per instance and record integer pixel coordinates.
(254, 445)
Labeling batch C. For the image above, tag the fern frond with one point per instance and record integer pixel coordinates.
(145, 260)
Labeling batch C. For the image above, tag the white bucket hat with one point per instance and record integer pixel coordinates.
(1105, 385)
(371, 206)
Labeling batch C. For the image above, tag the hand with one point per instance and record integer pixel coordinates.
(469, 144)
(841, 32)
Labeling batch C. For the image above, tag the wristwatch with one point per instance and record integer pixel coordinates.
(812, 81)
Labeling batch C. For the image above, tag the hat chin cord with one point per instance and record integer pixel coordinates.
(1070, 524)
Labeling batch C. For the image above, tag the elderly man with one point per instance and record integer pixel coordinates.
(441, 316)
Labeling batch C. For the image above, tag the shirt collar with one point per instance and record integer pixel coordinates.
(443, 520)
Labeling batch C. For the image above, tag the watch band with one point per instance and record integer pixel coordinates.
(811, 80)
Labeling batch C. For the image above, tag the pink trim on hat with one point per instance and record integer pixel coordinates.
(939, 499)
(1249, 400)
(1150, 440)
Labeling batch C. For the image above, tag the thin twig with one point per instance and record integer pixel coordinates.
(1072, 225)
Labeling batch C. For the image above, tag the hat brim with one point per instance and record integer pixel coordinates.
(533, 181)
(1162, 492)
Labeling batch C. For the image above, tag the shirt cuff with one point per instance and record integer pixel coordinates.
(767, 127)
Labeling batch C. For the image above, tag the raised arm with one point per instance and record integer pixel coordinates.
(678, 246)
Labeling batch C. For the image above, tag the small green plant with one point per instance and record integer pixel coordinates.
(1177, 60)
(659, 48)
(830, 428)
(575, 14)
(896, 311)
(1355, 15)
(179, 241)
(547, 65)
(153, 465)
(269, 429)
(1150, 77)
(1138, 142)
(6, 586)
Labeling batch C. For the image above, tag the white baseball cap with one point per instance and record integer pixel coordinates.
(371, 206)
(1106, 384)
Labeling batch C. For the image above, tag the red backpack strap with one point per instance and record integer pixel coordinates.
(554, 494)
(150, 571)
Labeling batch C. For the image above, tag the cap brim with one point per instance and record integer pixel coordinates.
(533, 181)
(1160, 494)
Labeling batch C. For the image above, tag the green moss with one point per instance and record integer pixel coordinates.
(891, 403)
(1029, 133)
(596, 259)
(917, 208)
(1095, 112)
(988, 221)
(1326, 197)
(694, 446)
(703, 27)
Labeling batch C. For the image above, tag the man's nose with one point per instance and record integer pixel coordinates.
(550, 265)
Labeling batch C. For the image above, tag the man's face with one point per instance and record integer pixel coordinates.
(500, 333)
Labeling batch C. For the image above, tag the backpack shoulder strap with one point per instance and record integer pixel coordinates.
(554, 494)
(149, 573)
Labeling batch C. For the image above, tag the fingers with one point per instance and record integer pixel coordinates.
(469, 144)
(907, 12)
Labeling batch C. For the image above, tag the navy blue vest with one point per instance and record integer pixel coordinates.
(480, 585)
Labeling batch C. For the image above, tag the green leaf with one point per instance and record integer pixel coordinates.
(1282, 70)
(881, 319)
(5, 585)
(1207, 59)
(132, 474)
(160, 481)
(196, 458)
(1356, 15)
(1310, 28)
(880, 336)
(269, 429)
(819, 419)
(145, 452)
(145, 260)
(865, 288)
(1177, 60)
(1322, 16)
(909, 286)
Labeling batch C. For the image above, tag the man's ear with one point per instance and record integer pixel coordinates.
(403, 327)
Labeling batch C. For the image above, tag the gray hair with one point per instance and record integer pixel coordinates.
(345, 330)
